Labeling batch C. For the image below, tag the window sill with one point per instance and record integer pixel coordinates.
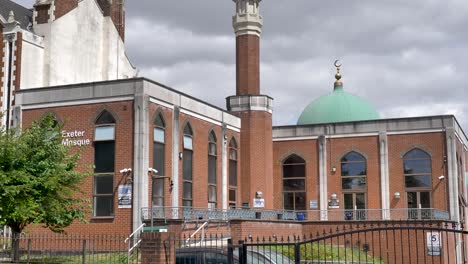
(100, 219)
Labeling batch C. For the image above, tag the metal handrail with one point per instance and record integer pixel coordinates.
(202, 227)
(131, 248)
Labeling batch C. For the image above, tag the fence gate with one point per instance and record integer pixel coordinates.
(390, 242)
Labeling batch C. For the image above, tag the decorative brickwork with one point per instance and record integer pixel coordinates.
(42, 16)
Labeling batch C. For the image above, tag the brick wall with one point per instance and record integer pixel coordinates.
(62, 7)
(248, 65)
(42, 16)
(82, 118)
(307, 149)
(434, 144)
(201, 130)
(369, 147)
(256, 148)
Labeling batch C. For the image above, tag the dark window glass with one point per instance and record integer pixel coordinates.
(103, 184)
(417, 169)
(288, 201)
(158, 157)
(188, 130)
(212, 194)
(353, 156)
(103, 195)
(417, 166)
(103, 206)
(233, 172)
(353, 172)
(104, 156)
(294, 159)
(233, 162)
(423, 181)
(293, 185)
(187, 166)
(348, 201)
(187, 191)
(159, 121)
(353, 169)
(212, 169)
(417, 154)
(158, 192)
(105, 118)
(353, 183)
(187, 157)
(232, 195)
(293, 171)
(300, 201)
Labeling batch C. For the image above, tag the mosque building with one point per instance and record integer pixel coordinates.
(154, 146)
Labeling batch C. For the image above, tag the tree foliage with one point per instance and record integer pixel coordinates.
(39, 180)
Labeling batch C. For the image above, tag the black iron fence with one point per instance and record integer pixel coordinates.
(61, 248)
(391, 242)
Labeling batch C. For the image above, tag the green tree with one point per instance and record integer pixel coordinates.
(39, 180)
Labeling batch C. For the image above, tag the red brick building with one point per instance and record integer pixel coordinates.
(153, 146)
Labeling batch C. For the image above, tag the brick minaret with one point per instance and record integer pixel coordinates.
(254, 109)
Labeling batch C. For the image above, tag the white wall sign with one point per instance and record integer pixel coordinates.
(125, 196)
(313, 204)
(259, 203)
(434, 244)
(74, 138)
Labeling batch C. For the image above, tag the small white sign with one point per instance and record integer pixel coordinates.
(125, 196)
(258, 203)
(434, 243)
(313, 204)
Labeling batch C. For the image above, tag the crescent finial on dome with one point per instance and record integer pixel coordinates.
(338, 82)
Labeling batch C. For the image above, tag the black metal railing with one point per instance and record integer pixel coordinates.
(390, 242)
(61, 248)
(190, 213)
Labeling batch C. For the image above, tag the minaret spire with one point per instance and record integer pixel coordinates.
(247, 23)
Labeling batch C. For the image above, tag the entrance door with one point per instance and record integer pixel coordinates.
(418, 205)
(355, 206)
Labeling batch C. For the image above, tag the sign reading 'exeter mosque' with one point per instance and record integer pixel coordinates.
(74, 138)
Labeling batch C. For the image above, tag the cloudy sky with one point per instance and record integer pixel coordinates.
(409, 58)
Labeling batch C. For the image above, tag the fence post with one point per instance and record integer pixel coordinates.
(297, 253)
(230, 252)
(84, 252)
(29, 250)
(242, 252)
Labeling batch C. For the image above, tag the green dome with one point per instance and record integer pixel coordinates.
(339, 106)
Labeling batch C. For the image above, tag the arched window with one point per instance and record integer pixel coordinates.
(232, 173)
(104, 161)
(294, 195)
(187, 166)
(159, 140)
(212, 170)
(353, 184)
(418, 182)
